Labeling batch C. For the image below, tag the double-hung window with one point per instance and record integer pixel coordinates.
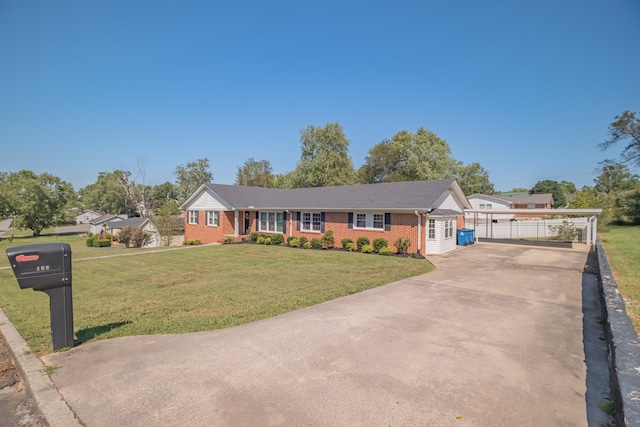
(193, 217)
(213, 218)
(373, 221)
(272, 221)
(432, 228)
(311, 221)
(448, 228)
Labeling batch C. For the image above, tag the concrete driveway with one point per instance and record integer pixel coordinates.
(493, 337)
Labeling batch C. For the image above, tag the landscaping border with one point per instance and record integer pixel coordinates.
(623, 347)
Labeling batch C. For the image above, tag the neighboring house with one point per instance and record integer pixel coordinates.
(482, 201)
(427, 212)
(528, 201)
(86, 216)
(146, 224)
(509, 201)
(98, 224)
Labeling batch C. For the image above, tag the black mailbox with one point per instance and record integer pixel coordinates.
(42, 266)
(46, 267)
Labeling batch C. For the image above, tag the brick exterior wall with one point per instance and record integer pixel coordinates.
(402, 225)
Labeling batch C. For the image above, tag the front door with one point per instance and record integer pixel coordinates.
(247, 223)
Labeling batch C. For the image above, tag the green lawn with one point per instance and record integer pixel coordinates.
(622, 246)
(192, 289)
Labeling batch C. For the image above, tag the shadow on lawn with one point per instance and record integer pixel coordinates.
(85, 335)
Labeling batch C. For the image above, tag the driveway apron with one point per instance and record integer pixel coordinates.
(492, 337)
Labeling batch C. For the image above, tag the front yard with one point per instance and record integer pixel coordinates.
(192, 289)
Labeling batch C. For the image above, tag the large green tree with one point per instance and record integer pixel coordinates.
(626, 129)
(255, 173)
(620, 190)
(191, 176)
(36, 202)
(109, 193)
(324, 159)
(474, 179)
(553, 187)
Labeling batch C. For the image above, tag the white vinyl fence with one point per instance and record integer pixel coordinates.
(542, 229)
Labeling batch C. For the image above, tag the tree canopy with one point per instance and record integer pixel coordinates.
(324, 159)
(36, 202)
(192, 176)
(625, 128)
(107, 193)
(553, 187)
(255, 173)
(474, 179)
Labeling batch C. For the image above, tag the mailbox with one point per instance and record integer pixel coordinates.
(46, 267)
(42, 266)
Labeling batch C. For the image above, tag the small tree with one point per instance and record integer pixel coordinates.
(402, 244)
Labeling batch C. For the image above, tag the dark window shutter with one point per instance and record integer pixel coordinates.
(350, 219)
(284, 222)
(322, 222)
(257, 221)
(387, 222)
(297, 221)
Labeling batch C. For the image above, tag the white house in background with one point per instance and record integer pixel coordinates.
(98, 224)
(86, 216)
(482, 201)
(115, 226)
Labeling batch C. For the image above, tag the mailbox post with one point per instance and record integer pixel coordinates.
(46, 267)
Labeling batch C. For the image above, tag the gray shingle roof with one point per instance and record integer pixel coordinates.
(408, 195)
(129, 222)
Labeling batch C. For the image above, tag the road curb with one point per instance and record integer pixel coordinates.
(37, 382)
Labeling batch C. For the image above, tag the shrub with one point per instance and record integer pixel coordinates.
(402, 244)
(345, 242)
(351, 247)
(277, 239)
(328, 241)
(366, 249)
(90, 241)
(290, 238)
(260, 240)
(379, 243)
(303, 240)
(316, 243)
(102, 243)
(254, 236)
(267, 240)
(139, 237)
(566, 232)
(294, 243)
(306, 245)
(362, 241)
(227, 240)
(386, 251)
(192, 242)
(125, 235)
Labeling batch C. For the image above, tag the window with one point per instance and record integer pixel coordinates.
(272, 221)
(531, 206)
(374, 221)
(432, 228)
(213, 218)
(193, 217)
(311, 221)
(448, 228)
(482, 206)
(485, 206)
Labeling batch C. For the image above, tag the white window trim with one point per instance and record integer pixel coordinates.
(448, 228)
(215, 215)
(311, 222)
(368, 221)
(275, 223)
(191, 219)
(430, 229)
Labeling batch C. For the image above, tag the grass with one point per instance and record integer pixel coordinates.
(622, 246)
(193, 289)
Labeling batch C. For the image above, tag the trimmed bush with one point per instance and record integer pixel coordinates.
(362, 241)
(290, 238)
(102, 243)
(345, 242)
(254, 236)
(227, 240)
(351, 247)
(367, 249)
(303, 240)
(327, 240)
(379, 243)
(306, 245)
(386, 251)
(402, 244)
(260, 240)
(316, 243)
(267, 240)
(294, 243)
(192, 242)
(277, 239)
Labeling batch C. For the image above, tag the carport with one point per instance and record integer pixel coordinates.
(592, 226)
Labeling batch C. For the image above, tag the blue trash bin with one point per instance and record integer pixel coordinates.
(462, 237)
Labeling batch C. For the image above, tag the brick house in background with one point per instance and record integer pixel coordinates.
(427, 212)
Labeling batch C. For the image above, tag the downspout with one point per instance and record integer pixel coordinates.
(290, 222)
(235, 224)
(419, 223)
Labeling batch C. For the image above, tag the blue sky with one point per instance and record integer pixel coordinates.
(525, 88)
